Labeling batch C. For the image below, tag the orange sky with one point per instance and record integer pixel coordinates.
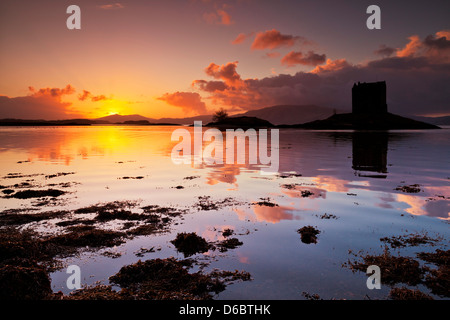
(183, 58)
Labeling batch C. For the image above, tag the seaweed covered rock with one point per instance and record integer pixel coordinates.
(231, 243)
(24, 283)
(308, 234)
(165, 279)
(395, 269)
(408, 294)
(190, 243)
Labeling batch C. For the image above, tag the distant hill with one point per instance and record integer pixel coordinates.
(70, 122)
(281, 114)
(117, 118)
(241, 122)
(290, 114)
(298, 116)
(434, 120)
(276, 115)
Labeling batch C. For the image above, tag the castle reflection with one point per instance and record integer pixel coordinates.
(369, 150)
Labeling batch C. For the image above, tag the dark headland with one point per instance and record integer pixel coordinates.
(243, 122)
(351, 121)
(369, 112)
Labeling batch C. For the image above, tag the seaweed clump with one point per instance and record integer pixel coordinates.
(30, 282)
(414, 188)
(165, 279)
(231, 243)
(308, 234)
(22, 275)
(205, 203)
(227, 232)
(27, 194)
(190, 243)
(160, 279)
(394, 269)
(408, 240)
(398, 269)
(14, 218)
(408, 294)
(438, 280)
(265, 202)
(87, 236)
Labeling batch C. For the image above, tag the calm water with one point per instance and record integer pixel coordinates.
(351, 175)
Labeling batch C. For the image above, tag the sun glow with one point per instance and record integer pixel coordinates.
(112, 107)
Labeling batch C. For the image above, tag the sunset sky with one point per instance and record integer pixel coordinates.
(182, 58)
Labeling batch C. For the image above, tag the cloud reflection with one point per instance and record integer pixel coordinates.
(262, 213)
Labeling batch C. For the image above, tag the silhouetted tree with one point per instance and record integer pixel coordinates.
(220, 115)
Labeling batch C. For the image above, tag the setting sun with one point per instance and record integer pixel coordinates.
(110, 107)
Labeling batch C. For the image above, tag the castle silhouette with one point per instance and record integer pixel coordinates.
(369, 112)
(369, 98)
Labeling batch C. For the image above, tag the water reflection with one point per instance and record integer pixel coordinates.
(66, 144)
(342, 163)
(370, 152)
(271, 214)
(224, 174)
(320, 173)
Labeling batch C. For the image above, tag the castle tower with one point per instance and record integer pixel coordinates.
(369, 98)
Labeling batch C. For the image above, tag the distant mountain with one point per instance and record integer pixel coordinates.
(117, 118)
(69, 122)
(282, 114)
(434, 120)
(290, 114)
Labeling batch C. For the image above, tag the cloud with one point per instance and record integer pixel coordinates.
(332, 65)
(54, 92)
(273, 39)
(220, 16)
(226, 72)
(310, 59)
(225, 18)
(411, 47)
(209, 86)
(301, 88)
(99, 98)
(87, 95)
(384, 50)
(112, 6)
(433, 53)
(436, 48)
(190, 102)
(440, 43)
(443, 33)
(417, 77)
(241, 37)
(43, 103)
